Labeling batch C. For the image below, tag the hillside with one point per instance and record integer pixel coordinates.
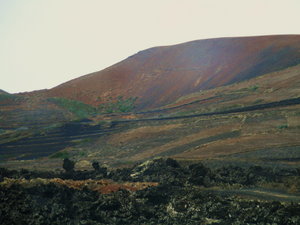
(160, 75)
(233, 100)
(239, 122)
(251, 122)
(24, 112)
(3, 92)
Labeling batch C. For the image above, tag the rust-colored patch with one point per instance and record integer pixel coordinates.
(101, 186)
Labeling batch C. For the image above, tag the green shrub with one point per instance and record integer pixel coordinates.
(4, 96)
(126, 105)
(68, 165)
(60, 155)
(121, 105)
(79, 109)
(258, 101)
(283, 126)
(253, 87)
(81, 154)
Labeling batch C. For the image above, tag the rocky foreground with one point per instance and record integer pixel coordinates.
(159, 191)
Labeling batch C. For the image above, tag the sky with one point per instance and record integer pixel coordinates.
(44, 43)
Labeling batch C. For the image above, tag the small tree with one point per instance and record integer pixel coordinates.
(96, 166)
(68, 165)
(99, 169)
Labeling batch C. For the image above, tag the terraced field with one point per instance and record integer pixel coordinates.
(199, 136)
(44, 144)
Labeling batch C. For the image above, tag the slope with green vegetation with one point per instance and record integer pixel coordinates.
(241, 122)
(226, 124)
(79, 109)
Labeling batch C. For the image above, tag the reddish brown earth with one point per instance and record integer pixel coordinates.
(160, 75)
(101, 186)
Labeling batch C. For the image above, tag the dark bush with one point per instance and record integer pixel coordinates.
(68, 165)
(96, 166)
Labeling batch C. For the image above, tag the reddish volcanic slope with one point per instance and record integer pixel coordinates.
(160, 75)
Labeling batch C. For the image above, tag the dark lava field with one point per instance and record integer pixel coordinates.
(159, 191)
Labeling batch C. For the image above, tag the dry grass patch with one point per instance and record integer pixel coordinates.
(293, 121)
(241, 144)
(140, 133)
(185, 140)
(274, 86)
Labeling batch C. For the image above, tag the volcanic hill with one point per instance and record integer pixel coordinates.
(160, 75)
(233, 100)
(205, 132)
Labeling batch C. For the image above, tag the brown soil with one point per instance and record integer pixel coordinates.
(101, 186)
(161, 75)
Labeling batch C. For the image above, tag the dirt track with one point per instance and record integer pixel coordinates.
(261, 193)
(287, 102)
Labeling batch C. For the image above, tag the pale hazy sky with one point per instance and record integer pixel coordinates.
(46, 42)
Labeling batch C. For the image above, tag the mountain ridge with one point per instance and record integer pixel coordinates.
(159, 75)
